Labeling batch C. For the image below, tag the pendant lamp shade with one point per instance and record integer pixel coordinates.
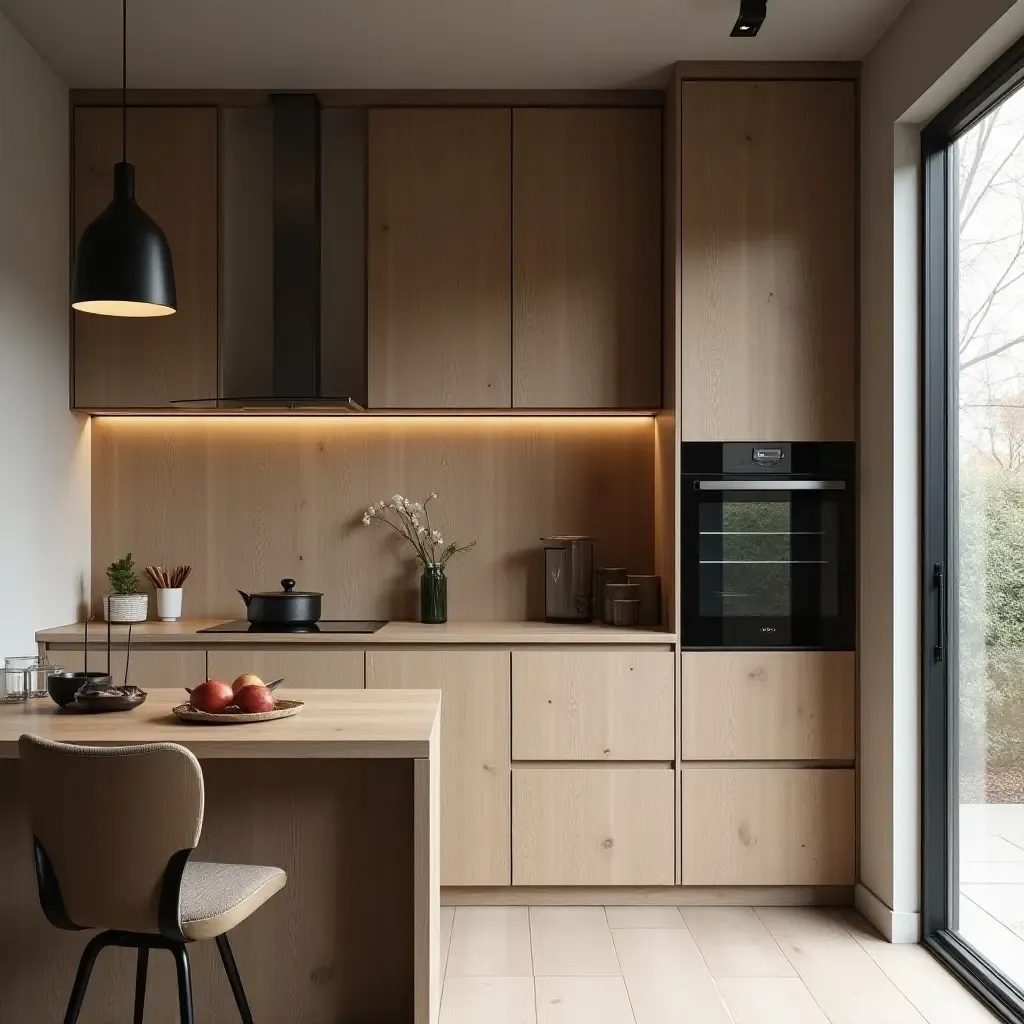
(123, 265)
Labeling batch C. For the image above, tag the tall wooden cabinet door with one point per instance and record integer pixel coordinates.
(768, 173)
(139, 363)
(476, 825)
(438, 255)
(586, 258)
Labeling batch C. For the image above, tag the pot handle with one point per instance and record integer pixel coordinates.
(245, 597)
(288, 586)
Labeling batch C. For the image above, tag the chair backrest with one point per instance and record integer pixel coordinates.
(108, 822)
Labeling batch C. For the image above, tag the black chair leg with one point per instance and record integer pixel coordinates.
(180, 953)
(141, 966)
(85, 966)
(231, 970)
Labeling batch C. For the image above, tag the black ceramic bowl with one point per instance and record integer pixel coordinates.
(62, 686)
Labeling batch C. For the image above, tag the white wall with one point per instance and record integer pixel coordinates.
(44, 448)
(930, 54)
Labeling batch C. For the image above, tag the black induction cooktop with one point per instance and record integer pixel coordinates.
(324, 626)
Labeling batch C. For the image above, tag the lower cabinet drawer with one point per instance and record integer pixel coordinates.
(302, 670)
(593, 706)
(767, 705)
(593, 826)
(149, 669)
(768, 826)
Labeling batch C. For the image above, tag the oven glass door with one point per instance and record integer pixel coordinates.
(770, 564)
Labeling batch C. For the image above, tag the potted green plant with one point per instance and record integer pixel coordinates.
(125, 603)
(411, 520)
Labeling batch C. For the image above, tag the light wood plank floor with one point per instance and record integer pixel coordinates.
(692, 965)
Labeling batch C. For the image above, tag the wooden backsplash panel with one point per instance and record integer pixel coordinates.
(248, 501)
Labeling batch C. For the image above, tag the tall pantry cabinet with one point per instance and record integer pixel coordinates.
(768, 250)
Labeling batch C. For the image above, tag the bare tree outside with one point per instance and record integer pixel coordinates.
(988, 478)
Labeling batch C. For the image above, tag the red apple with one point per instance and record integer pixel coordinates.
(246, 679)
(253, 699)
(213, 696)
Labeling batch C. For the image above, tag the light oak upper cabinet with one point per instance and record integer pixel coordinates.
(438, 258)
(768, 175)
(129, 363)
(586, 259)
(476, 817)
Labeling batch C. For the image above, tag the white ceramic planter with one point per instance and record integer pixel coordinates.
(126, 607)
(168, 604)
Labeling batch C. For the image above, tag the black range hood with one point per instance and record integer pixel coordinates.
(296, 383)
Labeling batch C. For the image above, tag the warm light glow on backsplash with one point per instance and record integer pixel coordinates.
(289, 424)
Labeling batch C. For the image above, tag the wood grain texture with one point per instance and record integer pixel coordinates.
(598, 826)
(333, 724)
(768, 705)
(769, 185)
(647, 895)
(305, 670)
(148, 669)
(250, 501)
(768, 826)
(336, 944)
(427, 884)
(438, 260)
(667, 423)
(415, 634)
(127, 362)
(593, 706)
(475, 748)
(586, 323)
(666, 515)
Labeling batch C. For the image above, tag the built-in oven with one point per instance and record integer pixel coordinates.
(768, 545)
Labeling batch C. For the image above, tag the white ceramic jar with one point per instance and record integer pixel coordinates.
(168, 604)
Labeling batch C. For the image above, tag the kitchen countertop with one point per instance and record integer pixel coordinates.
(334, 723)
(413, 634)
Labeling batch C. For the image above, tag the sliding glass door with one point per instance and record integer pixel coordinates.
(973, 164)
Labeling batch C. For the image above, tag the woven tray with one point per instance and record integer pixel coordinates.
(234, 716)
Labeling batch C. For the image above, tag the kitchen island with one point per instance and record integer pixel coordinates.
(344, 797)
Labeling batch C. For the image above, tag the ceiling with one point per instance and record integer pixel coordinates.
(420, 44)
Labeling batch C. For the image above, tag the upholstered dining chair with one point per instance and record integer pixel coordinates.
(113, 830)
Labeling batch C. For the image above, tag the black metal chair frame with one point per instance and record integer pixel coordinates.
(170, 937)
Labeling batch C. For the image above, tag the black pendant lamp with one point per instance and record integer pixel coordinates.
(123, 264)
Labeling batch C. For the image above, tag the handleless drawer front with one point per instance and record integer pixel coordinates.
(784, 705)
(592, 706)
(149, 669)
(309, 670)
(593, 826)
(768, 826)
(475, 816)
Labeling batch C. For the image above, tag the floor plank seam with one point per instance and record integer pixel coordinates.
(622, 974)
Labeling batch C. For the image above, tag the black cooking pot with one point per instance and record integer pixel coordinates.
(285, 607)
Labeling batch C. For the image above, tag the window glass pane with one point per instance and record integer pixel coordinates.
(987, 510)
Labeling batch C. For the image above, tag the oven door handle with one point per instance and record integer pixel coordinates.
(769, 485)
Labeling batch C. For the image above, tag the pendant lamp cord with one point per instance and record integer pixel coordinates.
(124, 81)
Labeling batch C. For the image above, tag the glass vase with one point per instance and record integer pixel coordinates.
(433, 594)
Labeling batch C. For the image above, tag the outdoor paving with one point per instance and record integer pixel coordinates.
(992, 883)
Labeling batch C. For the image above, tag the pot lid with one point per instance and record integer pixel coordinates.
(288, 590)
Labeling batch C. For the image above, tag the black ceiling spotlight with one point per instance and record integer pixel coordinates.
(752, 15)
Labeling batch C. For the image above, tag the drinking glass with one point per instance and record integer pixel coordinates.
(14, 681)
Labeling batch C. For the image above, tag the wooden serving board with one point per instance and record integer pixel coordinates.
(234, 716)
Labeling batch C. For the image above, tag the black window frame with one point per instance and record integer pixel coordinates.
(939, 696)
